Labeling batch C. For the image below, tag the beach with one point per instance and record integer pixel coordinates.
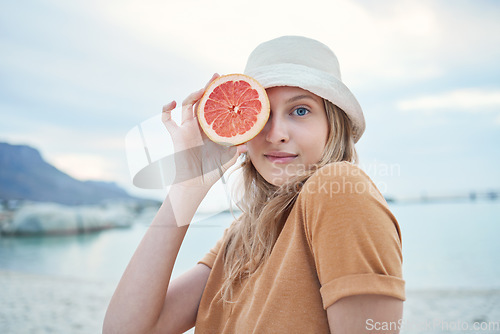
(33, 303)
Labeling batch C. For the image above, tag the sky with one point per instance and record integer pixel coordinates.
(77, 76)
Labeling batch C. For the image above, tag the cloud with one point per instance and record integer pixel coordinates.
(467, 100)
(220, 34)
(397, 41)
(86, 166)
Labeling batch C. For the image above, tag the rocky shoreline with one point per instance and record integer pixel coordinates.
(38, 218)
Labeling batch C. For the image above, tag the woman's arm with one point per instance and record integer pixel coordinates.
(183, 299)
(366, 314)
(139, 304)
(144, 301)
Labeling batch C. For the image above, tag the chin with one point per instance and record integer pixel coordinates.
(278, 181)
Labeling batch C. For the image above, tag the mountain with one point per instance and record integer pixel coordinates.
(24, 174)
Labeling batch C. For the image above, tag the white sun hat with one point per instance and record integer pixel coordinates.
(306, 63)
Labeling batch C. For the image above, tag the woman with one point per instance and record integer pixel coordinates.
(316, 248)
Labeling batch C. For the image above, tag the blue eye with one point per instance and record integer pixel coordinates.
(300, 111)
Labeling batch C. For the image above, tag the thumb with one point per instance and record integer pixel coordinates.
(240, 149)
(233, 159)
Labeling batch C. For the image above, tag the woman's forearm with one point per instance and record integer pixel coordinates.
(138, 300)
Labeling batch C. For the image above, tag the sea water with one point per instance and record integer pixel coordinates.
(445, 246)
(450, 245)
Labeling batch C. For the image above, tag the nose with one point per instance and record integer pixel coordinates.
(276, 130)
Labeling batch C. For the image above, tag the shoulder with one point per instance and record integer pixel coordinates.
(341, 201)
(339, 169)
(340, 179)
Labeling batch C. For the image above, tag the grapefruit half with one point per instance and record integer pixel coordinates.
(233, 109)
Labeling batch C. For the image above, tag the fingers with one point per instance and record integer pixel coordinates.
(215, 76)
(239, 150)
(187, 104)
(188, 111)
(166, 116)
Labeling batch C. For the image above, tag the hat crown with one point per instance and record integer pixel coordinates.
(298, 61)
(296, 50)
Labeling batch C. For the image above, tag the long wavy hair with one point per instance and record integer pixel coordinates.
(265, 207)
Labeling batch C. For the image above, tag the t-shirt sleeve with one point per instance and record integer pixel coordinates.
(354, 238)
(209, 257)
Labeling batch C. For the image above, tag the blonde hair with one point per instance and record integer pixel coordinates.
(265, 207)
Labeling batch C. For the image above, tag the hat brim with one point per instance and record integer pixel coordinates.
(317, 82)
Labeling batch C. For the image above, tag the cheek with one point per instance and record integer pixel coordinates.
(316, 144)
(251, 147)
(323, 132)
(254, 149)
(256, 143)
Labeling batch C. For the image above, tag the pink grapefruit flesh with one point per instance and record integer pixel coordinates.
(233, 109)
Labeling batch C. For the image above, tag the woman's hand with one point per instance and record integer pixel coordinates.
(199, 161)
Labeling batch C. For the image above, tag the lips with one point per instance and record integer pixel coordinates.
(280, 154)
(280, 157)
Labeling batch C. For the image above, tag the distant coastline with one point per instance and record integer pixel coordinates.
(491, 195)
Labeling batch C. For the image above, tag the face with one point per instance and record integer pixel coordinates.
(294, 137)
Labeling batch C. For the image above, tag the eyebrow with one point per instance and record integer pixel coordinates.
(300, 97)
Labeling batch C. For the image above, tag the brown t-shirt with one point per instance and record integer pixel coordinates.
(339, 240)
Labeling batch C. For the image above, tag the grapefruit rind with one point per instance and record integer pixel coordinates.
(237, 139)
